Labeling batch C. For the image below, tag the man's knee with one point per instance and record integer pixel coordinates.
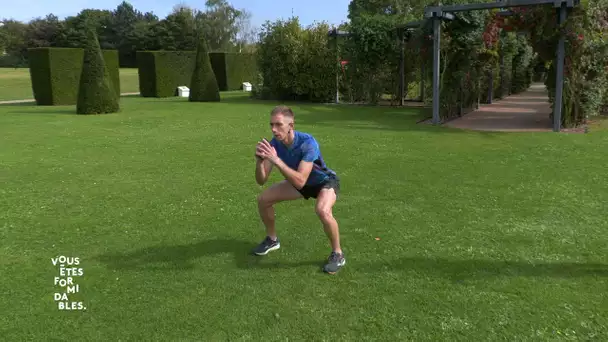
(324, 213)
(264, 200)
(267, 199)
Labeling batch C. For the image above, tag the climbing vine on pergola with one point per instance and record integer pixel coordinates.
(438, 13)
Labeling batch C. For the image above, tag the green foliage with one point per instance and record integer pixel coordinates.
(586, 33)
(296, 63)
(373, 54)
(508, 47)
(203, 84)
(96, 94)
(10, 61)
(111, 59)
(232, 69)
(586, 79)
(13, 38)
(128, 30)
(55, 74)
(523, 66)
(74, 28)
(466, 65)
(161, 72)
(46, 90)
(404, 9)
(146, 71)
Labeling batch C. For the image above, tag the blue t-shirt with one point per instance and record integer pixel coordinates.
(304, 148)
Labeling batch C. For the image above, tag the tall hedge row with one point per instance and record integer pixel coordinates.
(55, 74)
(232, 69)
(161, 72)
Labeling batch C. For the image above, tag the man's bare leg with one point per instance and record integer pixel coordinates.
(325, 202)
(279, 192)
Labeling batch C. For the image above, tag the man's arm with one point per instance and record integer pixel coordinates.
(310, 152)
(263, 167)
(297, 177)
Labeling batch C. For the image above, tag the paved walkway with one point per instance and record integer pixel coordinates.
(525, 112)
(33, 100)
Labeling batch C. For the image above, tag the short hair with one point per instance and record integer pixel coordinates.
(286, 111)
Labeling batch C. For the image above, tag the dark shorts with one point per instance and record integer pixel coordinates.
(333, 182)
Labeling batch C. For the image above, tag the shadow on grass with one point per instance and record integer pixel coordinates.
(462, 270)
(182, 256)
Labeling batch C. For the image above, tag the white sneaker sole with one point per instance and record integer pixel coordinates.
(274, 248)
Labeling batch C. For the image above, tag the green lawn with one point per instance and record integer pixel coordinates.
(15, 84)
(483, 236)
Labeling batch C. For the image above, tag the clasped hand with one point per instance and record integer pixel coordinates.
(266, 151)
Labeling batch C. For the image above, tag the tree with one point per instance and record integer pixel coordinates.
(12, 37)
(247, 35)
(95, 94)
(295, 63)
(177, 31)
(75, 27)
(405, 9)
(203, 86)
(220, 24)
(43, 32)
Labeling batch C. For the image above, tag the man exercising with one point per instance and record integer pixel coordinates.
(298, 158)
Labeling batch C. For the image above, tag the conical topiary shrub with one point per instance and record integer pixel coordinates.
(203, 85)
(95, 93)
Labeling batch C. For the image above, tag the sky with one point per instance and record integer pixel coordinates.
(309, 11)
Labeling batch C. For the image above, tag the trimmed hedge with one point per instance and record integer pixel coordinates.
(95, 95)
(232, 69)
(161, 72)
(55, 74)
(203, 84)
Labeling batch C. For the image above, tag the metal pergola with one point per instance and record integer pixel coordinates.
(405, 33)
(438, 13)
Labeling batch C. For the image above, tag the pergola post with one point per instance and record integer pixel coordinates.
(402, 68)
(436, 50)
(335, 33)
(561, 51)
(337, 72)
